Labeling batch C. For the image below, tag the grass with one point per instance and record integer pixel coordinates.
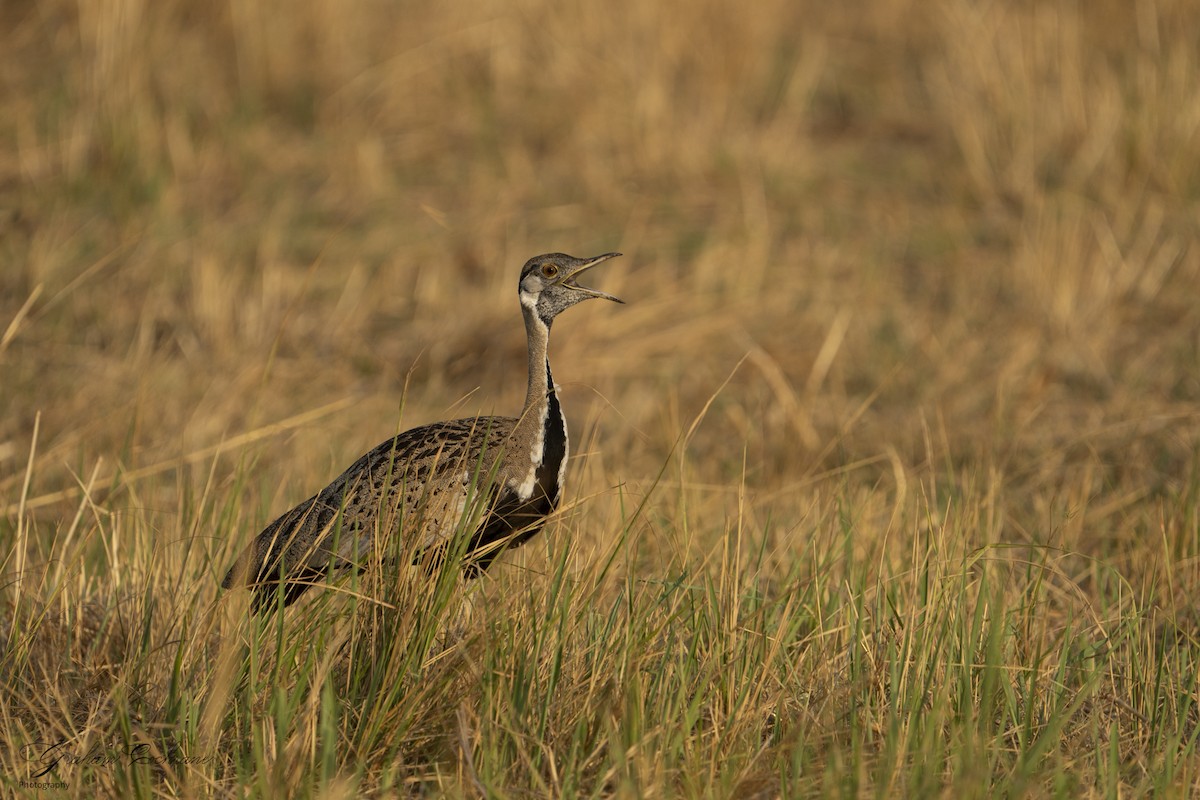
(885, 482)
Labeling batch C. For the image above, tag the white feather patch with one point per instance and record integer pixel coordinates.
(524, 489)
(562, 467)
(539, 442)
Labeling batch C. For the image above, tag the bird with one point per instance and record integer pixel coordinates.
(424, 482)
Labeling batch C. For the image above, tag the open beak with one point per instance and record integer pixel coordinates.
(569, 280)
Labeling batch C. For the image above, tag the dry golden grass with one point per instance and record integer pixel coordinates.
(886, 480)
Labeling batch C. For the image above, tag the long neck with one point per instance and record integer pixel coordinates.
(542, 423)
(539, 389)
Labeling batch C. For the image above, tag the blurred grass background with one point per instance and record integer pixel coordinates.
(897, 273)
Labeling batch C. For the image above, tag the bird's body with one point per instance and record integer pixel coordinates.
(423, 482)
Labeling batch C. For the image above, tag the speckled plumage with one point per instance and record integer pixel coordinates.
(419, 483)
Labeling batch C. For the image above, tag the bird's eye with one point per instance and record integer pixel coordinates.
(549, 270)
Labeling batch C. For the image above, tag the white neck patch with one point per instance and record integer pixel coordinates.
(524, 489)
(562, 468)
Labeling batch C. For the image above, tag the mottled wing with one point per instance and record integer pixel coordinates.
(416, 484)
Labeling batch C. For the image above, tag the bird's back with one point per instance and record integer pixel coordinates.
(416, 484)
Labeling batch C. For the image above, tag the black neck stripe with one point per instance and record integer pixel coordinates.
(554, 449)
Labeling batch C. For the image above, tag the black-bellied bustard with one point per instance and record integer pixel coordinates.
(419, 482)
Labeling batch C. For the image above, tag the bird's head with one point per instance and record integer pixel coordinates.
(548, 284)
